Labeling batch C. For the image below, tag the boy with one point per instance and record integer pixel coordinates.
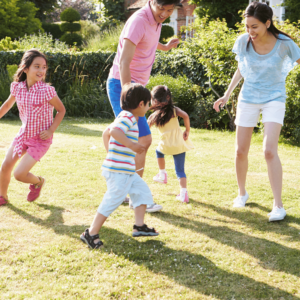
(119, 167)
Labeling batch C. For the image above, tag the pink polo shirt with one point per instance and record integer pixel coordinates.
(142, 30)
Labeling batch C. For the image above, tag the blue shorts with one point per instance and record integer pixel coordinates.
(179, 160)
(118, 186)
(114, 89)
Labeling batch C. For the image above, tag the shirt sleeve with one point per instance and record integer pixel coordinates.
(135, 30)
(50, 93)
(293, 51)
(123, 122)
(238, 46)
(13, 88)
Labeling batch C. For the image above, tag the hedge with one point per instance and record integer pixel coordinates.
(63, 66)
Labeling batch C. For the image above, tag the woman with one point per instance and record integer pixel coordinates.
(265, 56)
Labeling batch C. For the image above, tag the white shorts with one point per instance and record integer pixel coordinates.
(118, 186)
(247, 114)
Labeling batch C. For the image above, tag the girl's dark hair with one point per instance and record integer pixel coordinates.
(132, 94)
(263, 13)
(167, 2)
(26, 62)
(163, 108)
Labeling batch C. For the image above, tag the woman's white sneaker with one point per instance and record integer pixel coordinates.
(240, 201)
(277, 214)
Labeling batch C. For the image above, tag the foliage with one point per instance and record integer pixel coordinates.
(53, 29)
(228, 10)
(86, 98)
(44, 7)
(72, 39)
(89, 29)
(7, 44)
(70, 15)
(70, 27)
(166, 32)
(42, 41)
(292, 10)
(17, 18)
(85, 8)
(106, 40)
(113, 13)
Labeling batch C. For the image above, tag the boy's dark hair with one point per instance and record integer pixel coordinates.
(132, 94)
(163, 108)
(26, 62)
(167, 2)
(263, 13)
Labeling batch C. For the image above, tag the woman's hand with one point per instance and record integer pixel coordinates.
(186, 135)
(221, 101)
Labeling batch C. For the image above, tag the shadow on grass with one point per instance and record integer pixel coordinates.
(74, 129)
(271, 255)
(194, 271)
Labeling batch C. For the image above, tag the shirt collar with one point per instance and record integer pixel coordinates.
(150, 14)
(38, 85)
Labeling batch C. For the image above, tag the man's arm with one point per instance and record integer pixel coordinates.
(171, 44)
(125, 60)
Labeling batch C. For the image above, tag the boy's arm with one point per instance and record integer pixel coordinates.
(106, 137)
(7, 105)
(186, 120)
(120, 137)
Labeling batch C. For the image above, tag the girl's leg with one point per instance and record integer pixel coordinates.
(179, 161)
(243, 139)
(161, 163)
(271, 136)
(5, 171)
(22, 173)
(162, 175)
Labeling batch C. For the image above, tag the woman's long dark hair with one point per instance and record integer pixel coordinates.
(163, 108)
(26, 62)
(263, 13)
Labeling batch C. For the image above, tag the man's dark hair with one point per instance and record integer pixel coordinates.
(133, 94)
(167, 2)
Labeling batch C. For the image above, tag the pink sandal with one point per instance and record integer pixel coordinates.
(3, 200)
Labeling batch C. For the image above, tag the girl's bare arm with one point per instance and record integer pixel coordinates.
(7, 105)
(186, 120)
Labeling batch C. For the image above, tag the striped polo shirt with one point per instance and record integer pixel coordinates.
(120, 158)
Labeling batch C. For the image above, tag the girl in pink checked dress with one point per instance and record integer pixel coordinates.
(35, 100)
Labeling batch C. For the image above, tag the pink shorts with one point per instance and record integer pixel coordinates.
(36, 147)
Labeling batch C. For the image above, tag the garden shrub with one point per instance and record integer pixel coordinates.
(7, 44)
(166, 32)
(53, 29)
(70, 15)
(89, 29)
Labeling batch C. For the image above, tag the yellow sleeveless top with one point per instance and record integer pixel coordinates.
(171, 138)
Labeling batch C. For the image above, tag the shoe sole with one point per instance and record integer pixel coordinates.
(153, 210)
(277, 219)
(162, 182)
(44, 183)
(83, 239)
(143, 233)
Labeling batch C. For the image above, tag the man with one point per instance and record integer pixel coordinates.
(133, 62)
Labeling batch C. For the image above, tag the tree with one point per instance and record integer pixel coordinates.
(17, 18)
(44, 7)
(292, 10)
(86, 8)
(222, 9)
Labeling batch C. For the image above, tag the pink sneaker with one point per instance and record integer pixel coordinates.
(161, 178)
(183, 198)
(35, 191)
(3, 200)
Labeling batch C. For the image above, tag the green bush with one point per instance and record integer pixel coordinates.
(70, 27)
(70, 15)
(89, 29)
(72, 39)
(166, 32)
(7, 44)
(53, 29)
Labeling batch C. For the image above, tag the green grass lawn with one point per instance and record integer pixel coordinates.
(206, 249)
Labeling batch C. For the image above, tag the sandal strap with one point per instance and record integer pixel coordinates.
(92, 238)
(144, 228)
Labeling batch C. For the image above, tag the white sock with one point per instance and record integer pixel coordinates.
(162, 171)
(183, 191)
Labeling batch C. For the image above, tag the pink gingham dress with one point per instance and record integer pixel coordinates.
(35, 111)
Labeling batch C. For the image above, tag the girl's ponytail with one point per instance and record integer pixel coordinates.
(163, 107)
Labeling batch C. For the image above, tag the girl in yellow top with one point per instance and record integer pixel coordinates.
(172, 140)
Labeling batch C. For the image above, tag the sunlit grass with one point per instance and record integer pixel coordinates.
(206, 249)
